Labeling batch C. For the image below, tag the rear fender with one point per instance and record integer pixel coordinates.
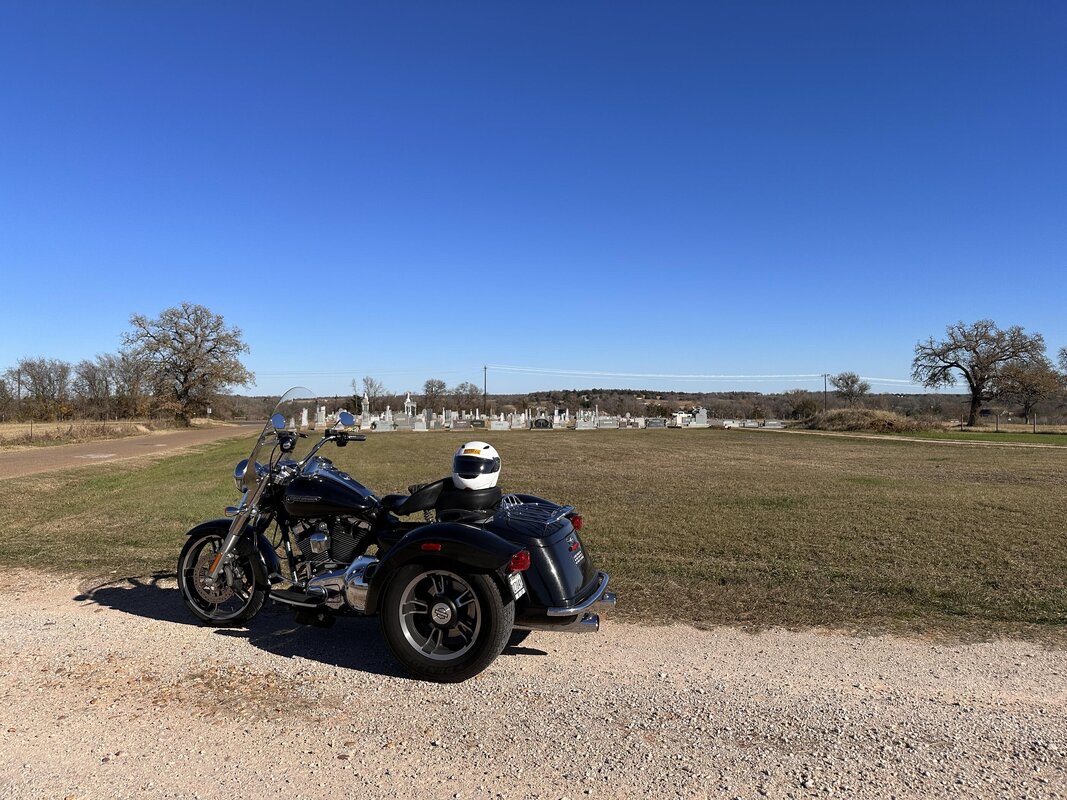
(463, 546)
(252, 544)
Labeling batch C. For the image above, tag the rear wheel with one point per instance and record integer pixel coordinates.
(233, 598)
(443, 625)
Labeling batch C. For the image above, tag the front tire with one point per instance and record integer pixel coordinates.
(443, 625)
(235, 599)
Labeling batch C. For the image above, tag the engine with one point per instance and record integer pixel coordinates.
(330, 542)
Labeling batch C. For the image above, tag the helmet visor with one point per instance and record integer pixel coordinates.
(473, 466)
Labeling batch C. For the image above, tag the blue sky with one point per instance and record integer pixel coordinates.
(413, 190)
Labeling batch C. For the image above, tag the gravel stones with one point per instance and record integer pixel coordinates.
(121, 695)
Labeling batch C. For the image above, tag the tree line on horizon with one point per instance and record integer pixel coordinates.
(187, 360)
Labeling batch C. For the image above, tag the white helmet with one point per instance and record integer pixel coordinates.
(476, 465)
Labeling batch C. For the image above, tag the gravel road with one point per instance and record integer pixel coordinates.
(111, 692)
(31, 460)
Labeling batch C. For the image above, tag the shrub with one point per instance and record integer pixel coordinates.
(867, 419)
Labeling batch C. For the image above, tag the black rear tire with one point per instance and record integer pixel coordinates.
(238, 597)
(444, 625)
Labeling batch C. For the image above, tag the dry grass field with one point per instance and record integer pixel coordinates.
(750, 528)
(43, 434)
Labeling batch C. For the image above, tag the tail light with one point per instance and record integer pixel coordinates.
(576, 521)
(520, 562)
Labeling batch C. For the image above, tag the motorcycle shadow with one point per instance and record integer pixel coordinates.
(351, 642)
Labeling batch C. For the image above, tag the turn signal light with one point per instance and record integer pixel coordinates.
(576, 521)
(434, 546)
(520, 562)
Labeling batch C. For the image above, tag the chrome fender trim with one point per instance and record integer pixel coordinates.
(600, 597)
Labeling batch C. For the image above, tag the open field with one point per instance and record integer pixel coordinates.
(705, 527)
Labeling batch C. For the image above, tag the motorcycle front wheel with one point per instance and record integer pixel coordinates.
(443, 625)
(235, 597)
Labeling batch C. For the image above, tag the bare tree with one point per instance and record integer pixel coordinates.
(45, 385)
(373, 390)
(191, 355)
(92, 387)
(801, 404)
(128, 375)
(7, 396)
(467, 395)
(849, 387)
(1029, 383)
(433, 391)
(978, 352)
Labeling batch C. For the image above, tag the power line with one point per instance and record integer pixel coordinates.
(799, 377)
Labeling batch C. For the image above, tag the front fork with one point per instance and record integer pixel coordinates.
(247, 511)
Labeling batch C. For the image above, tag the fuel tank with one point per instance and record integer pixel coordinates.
(325, 491)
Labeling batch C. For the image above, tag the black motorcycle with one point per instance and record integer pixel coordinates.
(450, 590)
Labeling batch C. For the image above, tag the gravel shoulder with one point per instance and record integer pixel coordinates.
(111, 692)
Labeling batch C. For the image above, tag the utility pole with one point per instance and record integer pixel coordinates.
(825, 375)
(485, 383)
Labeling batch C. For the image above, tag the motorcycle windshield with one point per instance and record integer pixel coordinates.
(294, 414)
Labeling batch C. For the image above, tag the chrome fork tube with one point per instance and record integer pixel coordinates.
(247, 511)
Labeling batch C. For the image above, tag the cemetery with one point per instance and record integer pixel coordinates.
(539, 419)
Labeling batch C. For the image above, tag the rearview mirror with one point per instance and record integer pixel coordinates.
(346, 419)
(277, 422)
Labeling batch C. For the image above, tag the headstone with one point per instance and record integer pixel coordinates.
(447, 418)
(585, 421)
(499, 424)
(461, 424)
(303, 418)
(656, 422)
(607, 422)
(699, 419)
(542, 424)
(477, 422)
(419, 425)
(774, 423)
(320, 417)
(409, 406)
(518, 422)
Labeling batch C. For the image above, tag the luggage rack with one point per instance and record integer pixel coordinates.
(532, 510)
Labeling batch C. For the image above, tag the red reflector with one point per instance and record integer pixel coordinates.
(520, 562)
(576, 521)
(431, 546)
(574, 546)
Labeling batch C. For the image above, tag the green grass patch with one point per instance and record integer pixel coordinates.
(1057, 439)
(701, 527)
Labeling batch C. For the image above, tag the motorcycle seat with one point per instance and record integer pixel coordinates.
(450, 503)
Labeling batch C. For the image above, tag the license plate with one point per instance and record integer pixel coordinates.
(518, 587)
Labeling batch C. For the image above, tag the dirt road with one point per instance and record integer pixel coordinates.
(113, 693)
(31, 460)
